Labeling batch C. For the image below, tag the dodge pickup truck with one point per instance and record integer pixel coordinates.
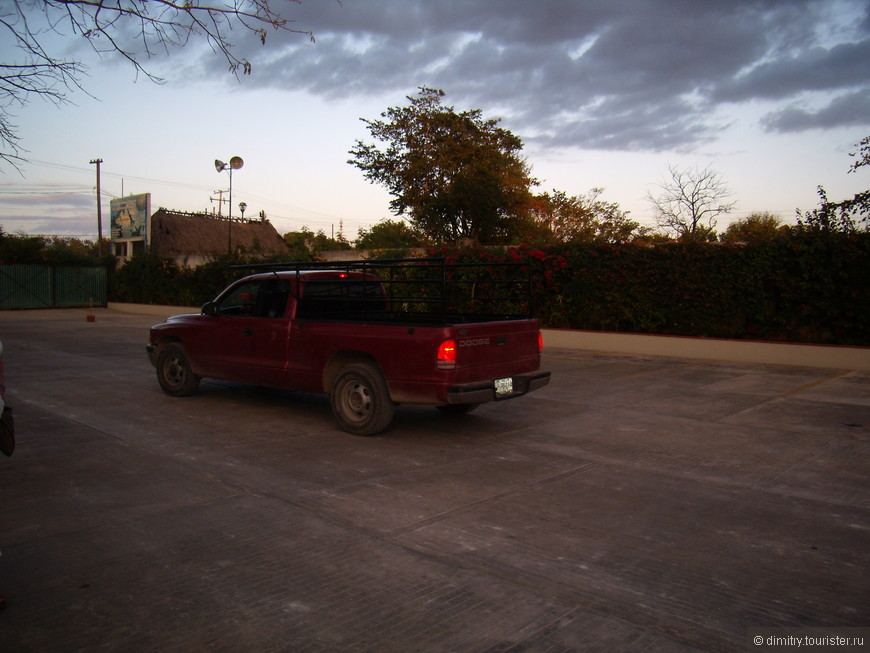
(370, 334)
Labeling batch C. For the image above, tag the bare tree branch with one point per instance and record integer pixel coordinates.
(134, 29)
(690, 202)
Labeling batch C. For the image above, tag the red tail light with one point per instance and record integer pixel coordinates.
(447, 355)
(540, 342)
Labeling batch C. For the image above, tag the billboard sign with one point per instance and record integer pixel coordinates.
(129, 219)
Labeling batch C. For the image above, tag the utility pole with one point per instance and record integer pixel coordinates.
(99, 210)
(220, 200)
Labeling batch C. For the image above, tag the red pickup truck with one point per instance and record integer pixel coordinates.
(371, 334)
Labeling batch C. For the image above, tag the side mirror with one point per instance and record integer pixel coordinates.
(209, 308)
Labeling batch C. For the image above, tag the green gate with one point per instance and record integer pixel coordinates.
(45, 286)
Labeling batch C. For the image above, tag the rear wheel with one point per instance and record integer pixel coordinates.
(173, 371)
(361, 400)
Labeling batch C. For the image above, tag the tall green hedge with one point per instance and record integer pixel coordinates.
(806, 286)
(147, 279)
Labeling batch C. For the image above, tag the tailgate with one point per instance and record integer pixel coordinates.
(489, 350)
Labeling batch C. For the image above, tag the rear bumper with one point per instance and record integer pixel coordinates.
(481, 392)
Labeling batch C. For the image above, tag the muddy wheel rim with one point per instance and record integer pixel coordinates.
(175, 371)
(357, 401)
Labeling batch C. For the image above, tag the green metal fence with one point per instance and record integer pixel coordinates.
(44, 286)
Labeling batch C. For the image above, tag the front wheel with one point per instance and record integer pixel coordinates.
(173, 371)
(361, 400)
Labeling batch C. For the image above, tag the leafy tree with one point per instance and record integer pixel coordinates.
(456, 175)
(583, 218)
(690, 201)
(23, 249)
(389, 234)
(755, 226)
(298, 242)
(303, 243)
(842, 216)
(133, 29)
(48, 250)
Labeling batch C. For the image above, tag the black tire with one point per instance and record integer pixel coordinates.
(361, 400)
(173, 371)
(457, 409)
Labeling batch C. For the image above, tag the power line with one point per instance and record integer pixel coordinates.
(54, 191)
(323, 218)
(116, 175)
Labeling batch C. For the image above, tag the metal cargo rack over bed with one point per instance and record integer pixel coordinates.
(408, 290)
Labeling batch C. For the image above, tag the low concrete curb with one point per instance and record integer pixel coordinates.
(152, 309)
(742, 351)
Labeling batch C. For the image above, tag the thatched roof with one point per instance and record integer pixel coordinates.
(175, 234)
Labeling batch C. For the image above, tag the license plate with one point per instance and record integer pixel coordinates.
(504, 386)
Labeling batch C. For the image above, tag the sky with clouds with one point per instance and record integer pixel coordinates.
(772, 94)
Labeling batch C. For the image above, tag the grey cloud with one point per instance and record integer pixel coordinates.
(815, 69)
(624, 75)
(848, 109)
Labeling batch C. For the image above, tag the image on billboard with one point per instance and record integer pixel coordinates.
(129, 219)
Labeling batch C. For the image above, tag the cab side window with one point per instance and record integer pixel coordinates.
(256, 299)
(240, 300)
(272, 299)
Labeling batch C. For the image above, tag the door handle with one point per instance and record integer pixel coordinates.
(247, 332)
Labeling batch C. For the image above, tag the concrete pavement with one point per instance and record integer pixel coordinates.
(635, 504)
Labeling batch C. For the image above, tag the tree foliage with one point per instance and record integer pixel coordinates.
(755, 226)
(389, 234)
(304, 243)
(456, 175)
(690, 201)
(843, 216)
(583, 218)
(134, 29)
(47, 250)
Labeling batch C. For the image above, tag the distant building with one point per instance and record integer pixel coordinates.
(196, 238)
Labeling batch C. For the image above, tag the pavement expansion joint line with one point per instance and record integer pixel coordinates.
(810, 386)
(515, 491)
(666, 370)
(823, 448)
